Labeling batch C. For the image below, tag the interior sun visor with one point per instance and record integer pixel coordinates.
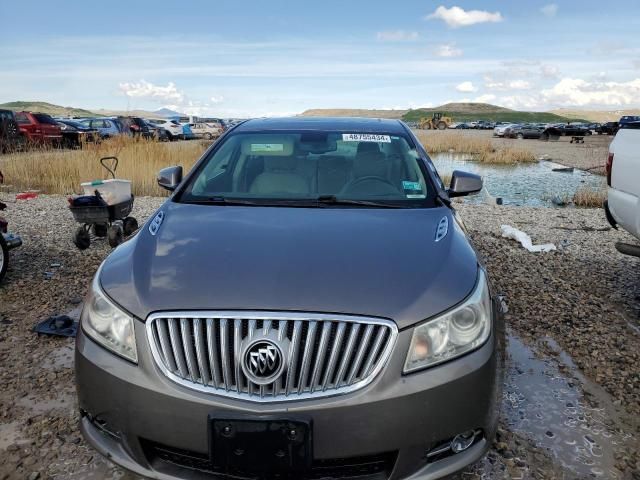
(268, 145)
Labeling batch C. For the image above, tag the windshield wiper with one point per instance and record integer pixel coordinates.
(220, 200)
(333, 200)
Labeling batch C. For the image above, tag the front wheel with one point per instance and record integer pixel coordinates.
(81, 238)
(519, 136)
(208, 136)
(442, 125)
(130, 225)
(4, 257)
(115, 235)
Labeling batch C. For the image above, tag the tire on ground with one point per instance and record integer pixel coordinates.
(4, 257)
(115, 235)
(129, 225)
(81, 238)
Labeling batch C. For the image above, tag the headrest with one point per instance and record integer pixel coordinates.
(280, 164)
(372, 163)
(368, 147)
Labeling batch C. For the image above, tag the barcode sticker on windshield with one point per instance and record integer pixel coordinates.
(365, 137)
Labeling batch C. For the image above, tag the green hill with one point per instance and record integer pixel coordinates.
(467, 112)
(44, 107)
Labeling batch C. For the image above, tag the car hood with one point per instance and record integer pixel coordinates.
(362, 261)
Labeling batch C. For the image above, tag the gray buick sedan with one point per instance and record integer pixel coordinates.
(305, 305)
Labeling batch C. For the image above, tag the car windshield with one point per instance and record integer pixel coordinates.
(312, 168)
(43, 118)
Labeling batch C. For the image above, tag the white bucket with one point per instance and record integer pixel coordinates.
(112, 191)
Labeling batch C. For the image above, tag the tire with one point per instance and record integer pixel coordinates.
(520, 136)
(442, 126)
(115, 235)
(4, 257)
(208, 136)
(81, 238)
(588, 132)
(427, 126)
(99, 229)
(129, 226)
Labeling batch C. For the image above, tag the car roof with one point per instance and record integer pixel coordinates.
(348, 124)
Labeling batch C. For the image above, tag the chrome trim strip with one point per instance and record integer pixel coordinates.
(288, 394)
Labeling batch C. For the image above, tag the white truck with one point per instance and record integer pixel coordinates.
(623, 178)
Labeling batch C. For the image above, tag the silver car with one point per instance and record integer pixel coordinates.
(306, 304)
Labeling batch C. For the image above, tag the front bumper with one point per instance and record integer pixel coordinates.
(131, 412)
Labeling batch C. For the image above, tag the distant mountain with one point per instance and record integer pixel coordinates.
(596, 115)
(167, 112)
(459, 112)
(44, 107)
(353, 112)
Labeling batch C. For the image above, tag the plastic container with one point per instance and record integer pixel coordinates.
(112, 191)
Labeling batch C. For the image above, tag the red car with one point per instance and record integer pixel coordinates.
(39, 128)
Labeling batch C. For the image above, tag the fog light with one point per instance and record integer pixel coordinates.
(463, 441)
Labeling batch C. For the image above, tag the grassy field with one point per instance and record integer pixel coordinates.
(481, 148)
(62, 171)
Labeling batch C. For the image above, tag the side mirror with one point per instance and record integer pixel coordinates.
(464, 183)
(169, 178)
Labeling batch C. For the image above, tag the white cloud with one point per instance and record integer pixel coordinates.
(218, 99)
(456, 17)
(549, 71)
(447, 50)
(549, 10)
(486, 98)
(517, 84)
(397, 36)
(466, 87)
(144, 89)
(576, 92)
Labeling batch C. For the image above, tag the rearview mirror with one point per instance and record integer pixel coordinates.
(169, 178)
(464, 183)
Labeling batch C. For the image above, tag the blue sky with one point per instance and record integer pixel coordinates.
(276, 57)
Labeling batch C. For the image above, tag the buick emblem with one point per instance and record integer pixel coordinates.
(262, 361)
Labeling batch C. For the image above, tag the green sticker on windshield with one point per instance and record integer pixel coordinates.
(415, 186)
(267, 147)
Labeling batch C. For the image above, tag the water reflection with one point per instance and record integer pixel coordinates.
(530, 184)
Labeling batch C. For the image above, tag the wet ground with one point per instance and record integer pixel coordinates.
(570, 407)
(530, 184)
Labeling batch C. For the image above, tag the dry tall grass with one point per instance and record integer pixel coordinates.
(481, 148)
(62, 171)
(590, 197)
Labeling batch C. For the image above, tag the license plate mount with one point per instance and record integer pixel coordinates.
(260, 444)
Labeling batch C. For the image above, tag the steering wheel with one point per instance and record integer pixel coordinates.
(390, 188)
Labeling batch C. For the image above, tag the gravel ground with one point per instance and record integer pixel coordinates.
(592, 153)
(573, 334)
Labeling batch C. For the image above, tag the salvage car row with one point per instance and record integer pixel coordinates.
(20, 130)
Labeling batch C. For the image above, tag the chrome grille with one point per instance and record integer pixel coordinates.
(323, 355)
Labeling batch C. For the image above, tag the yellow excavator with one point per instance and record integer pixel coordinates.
(437, 122)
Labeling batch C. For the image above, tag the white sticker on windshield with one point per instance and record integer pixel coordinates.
(267, 147)
(365, 137)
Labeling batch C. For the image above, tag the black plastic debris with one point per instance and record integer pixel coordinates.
(60, 325)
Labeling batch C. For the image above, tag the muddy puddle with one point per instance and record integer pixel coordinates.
(548, 401)
(529, 184)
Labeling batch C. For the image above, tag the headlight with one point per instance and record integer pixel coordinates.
(453, 334)
(105, 323)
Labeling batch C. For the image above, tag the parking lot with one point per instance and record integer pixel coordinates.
(571, 395)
